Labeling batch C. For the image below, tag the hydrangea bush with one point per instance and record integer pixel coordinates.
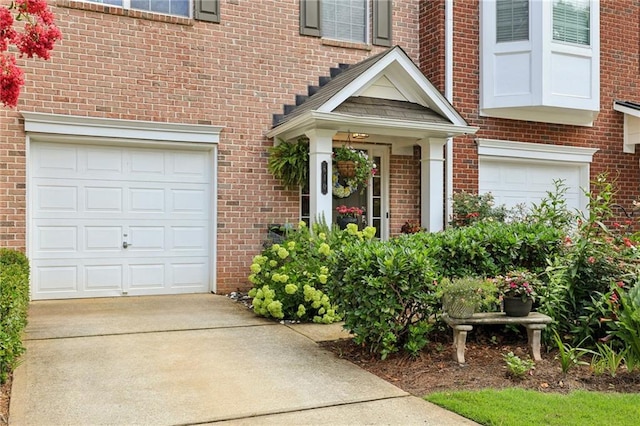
(290, 278)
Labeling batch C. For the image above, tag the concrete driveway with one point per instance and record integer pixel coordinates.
(193, 359)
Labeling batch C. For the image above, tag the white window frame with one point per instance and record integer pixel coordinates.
(367, 25)
(126, 4)
(512, 40)
(590, 24)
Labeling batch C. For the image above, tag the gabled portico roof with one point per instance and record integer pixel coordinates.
(385, 94)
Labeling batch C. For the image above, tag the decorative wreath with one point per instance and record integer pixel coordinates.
(343, 191)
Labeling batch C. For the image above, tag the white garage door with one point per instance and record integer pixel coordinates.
(110, 221)
(513, 181)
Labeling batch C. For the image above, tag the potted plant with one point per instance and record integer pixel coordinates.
(347, 215)
(352, 171)
(411, 227)
(518, 291)
(462, 296)
(289, 162)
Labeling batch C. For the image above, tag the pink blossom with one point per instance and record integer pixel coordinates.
(11, 80)
(591, 259)
(38, 38)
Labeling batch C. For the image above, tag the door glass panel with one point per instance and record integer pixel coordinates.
(376, 197)
(376, 207)
(305, 207)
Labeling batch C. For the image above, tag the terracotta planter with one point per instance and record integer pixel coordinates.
(346, 169)
(516, 307)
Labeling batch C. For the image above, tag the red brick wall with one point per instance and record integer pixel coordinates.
(404, 190)
(619, 68)
(432, 39)
(234, 74)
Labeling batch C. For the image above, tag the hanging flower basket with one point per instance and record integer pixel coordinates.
(352, 171)
(346, 168)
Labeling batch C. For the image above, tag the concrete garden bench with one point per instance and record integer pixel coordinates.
(534, 323)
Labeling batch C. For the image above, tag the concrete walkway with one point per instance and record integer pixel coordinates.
(193, 359)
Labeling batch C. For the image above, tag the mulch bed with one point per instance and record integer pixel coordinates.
(434, 369)
(5, 392)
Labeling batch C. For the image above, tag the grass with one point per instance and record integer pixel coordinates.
(524, 407)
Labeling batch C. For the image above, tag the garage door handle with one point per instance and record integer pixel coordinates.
(125, 244)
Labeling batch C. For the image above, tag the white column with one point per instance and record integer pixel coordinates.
(432, 184)
(320, 149)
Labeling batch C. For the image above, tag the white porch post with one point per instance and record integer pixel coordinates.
(432, 183)
(320, 149)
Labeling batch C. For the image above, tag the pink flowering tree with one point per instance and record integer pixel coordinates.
(37, 37)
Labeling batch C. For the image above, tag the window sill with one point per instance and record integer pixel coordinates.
(113, 10)
(345, 44)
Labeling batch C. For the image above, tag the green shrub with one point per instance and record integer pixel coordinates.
(626, 327)
(387, 293)
(14, 300)
(594, 259)
(471, 208)
(488, 248)
(290, 277)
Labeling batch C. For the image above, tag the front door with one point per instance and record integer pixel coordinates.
(372, 199)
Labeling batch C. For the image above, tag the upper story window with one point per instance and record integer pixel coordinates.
(344, 20)
(571, 21)
(512, 20)
(204, 10)
(348, 20)
(167, 7)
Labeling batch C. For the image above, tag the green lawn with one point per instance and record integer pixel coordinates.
(520, 407)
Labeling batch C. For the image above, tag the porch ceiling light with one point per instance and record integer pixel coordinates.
(359, 135)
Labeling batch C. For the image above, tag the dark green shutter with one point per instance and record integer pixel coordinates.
(382, 18)
(207, 10)
(310, 17)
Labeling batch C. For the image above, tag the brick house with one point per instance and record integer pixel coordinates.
(136, 160)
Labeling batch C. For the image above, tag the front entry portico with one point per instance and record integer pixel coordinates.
(387, 98)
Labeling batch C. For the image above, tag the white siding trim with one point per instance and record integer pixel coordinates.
(120, 129)
(535, 151)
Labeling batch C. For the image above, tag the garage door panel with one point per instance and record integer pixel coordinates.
(103, 161)
(190, 164)
(103, 199)
(190, 201)
(189, 238)
(56, 239)
(147, 276)
(55, 279)
(513, 181)
(87, 200)
(56, 198)
(55, 161)
(146, 164)
(188, 274)
(103, 277)
(102, 239)
(155, 200)
(147, 238)
(147, 200)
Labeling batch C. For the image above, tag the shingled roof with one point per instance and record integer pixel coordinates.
(357, 106)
